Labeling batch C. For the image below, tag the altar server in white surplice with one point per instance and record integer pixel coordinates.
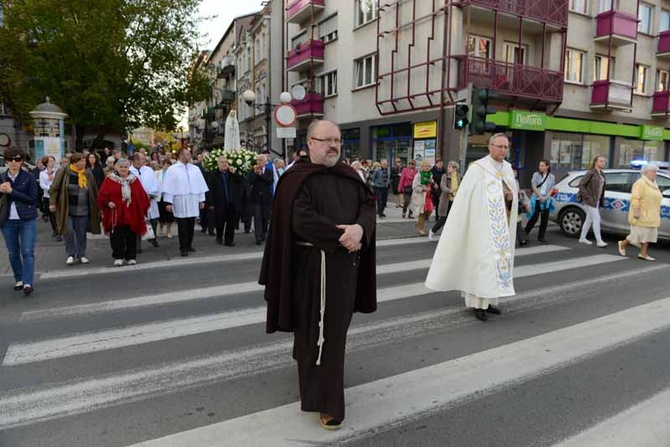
(476, 251)
(184, 191)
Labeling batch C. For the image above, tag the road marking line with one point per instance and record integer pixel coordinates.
(121, 303)
(397, 400)
(27, 407)
(85, 343)
(645, 424)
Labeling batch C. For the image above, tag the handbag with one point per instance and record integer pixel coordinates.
(150, 232)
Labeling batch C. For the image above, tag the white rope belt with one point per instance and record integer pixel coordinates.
(322, 310)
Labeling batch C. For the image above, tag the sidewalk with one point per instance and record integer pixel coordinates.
(50, 255)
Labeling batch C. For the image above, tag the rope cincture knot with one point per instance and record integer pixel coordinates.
(322, 310)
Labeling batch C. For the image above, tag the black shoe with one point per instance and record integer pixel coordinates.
(59, 238)
(543, 241)
(523, 243)
(27, 289)
(247, 231)
(184, 252)
(139, 250)
(203, 230)
(229, 244)
(219, 241)
(190, 249)
(153, 242)
(481, 314)
(493, 310)
(211, 233)
(259, 242)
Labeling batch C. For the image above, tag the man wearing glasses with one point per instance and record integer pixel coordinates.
(319, 266)
(476, 251)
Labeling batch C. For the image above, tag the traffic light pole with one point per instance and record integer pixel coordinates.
(464, 150)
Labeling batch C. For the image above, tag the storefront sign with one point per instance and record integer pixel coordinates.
(528, 121)
(426, 129)
(652, 133)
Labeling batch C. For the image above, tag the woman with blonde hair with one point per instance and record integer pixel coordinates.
(644, 215)
(421, 202)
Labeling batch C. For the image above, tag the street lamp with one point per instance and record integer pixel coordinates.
(249, 97)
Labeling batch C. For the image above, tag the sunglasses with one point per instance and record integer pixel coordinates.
(17, 158)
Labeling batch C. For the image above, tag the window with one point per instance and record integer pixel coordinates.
(577, 151)
(578, 6)
(574, 66)
(661, 80)
(639, 150)
(644, 16)
(479, 47)
(513, 54)
(328, 29)
(618, 182)
(601, 67)
(664, 21)
(663, 182)
(328, 84)
(297, 40)
(607, 5)
(365, 11)
(365, 71)
(641, 72)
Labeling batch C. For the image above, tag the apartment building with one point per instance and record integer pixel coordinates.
(573, 78)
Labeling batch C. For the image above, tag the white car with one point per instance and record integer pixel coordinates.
(569, 214)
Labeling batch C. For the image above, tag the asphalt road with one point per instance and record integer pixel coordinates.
(174, 354)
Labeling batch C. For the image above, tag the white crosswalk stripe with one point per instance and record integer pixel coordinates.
(408, 311)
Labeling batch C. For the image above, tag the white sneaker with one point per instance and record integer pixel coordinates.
(585, 242)
(431, 235)
(84, 260)
(601, 244)
(70, 260)
(132, 262)
(118, 262)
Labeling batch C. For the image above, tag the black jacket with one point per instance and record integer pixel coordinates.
(24, 194)
(216, 194)
(261, 187)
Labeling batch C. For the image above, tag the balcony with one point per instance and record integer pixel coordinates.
(306, 55)
(661, 104)
(520, 81)
(311, 105)
(227, 98)
(298, 11)
(553, 12)
(611, 94)
(620, 26)
(663, 48)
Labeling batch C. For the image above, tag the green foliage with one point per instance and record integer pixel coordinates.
(115, 63)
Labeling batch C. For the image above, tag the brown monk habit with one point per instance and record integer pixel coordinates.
(310, 201)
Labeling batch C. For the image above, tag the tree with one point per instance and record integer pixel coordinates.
(113, 63)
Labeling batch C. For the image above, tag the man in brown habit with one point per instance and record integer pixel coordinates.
(319, 266)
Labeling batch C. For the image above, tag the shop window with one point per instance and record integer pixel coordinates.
(351, 143)
(639, 150)
(574, 66)
(577, 151)
(618, 182)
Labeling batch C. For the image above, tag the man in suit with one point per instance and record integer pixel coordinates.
(224, 199)
(260, 198)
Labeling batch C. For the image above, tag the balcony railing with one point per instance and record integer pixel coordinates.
(512, 79)
(306, 54)
(612, 94)
(661, 104)
(312, 104)
(550, 11)
(620, 26)
(663, 48)
(298, 11)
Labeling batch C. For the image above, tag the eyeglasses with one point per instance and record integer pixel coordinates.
(500, 146)
(333, 141)
(17, 158)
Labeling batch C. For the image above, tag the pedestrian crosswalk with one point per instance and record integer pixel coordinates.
(107, 356)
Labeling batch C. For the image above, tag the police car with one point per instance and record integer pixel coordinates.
(569, 214)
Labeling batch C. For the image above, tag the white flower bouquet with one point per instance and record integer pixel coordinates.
(241, 159)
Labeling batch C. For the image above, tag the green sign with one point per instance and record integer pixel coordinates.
(652, 133)
(528, 121)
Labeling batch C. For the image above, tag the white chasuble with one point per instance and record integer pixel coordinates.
(475, 253)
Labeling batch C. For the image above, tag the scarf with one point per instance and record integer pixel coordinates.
(125, 186)
(426, 177)
(81, 176)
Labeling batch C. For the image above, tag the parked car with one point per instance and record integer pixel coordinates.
(569, 214)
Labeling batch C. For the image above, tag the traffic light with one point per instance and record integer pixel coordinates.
(461, 116)
(480, 108)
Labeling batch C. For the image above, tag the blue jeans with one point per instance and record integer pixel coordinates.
(20, 238)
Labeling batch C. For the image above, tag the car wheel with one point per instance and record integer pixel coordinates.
(570, 221)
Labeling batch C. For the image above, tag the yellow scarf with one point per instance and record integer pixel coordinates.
(81, 176)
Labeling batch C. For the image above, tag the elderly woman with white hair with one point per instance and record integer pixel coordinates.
(644, 215)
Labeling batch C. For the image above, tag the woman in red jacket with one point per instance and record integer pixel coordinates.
(124, 205)
(405, 186)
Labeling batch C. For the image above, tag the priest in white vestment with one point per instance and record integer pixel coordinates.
(184, 190)
(476, 251)
(150, 184)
